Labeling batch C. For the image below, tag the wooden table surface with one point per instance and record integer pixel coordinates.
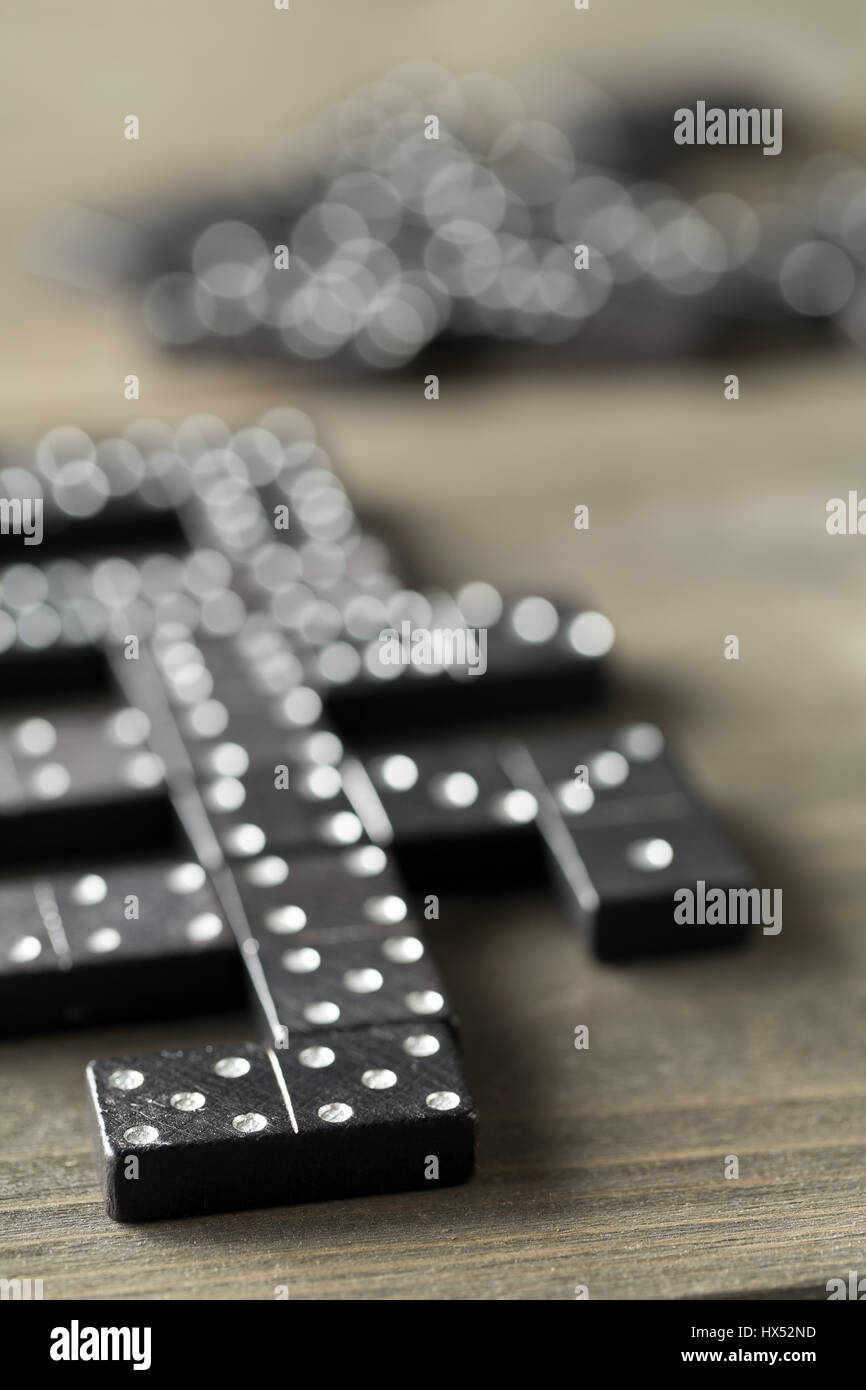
(606, 1167)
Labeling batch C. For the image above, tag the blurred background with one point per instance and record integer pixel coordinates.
(239, 102)
(707, 518)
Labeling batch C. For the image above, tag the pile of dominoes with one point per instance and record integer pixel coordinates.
(404, 244)
(216, 786)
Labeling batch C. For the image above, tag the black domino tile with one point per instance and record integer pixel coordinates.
(45, 649)
(140, 517)
(612, 775)
(80, 778)
(410, 1103)
(231, 1127)
(634, 885)
(73, 953)
(257, 701)
(618, 874)
(318, 892)
(542, 655)
(457, 818)
(252, 815)
(190, 1161)
(234, 662)
(537, 658)
(351, 977)
(225, 741)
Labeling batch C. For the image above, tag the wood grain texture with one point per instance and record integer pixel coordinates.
(604, 1167)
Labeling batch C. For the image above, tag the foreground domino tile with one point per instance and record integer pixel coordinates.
(345, 1114)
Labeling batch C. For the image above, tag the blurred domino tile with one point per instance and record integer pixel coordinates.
(198, 757)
